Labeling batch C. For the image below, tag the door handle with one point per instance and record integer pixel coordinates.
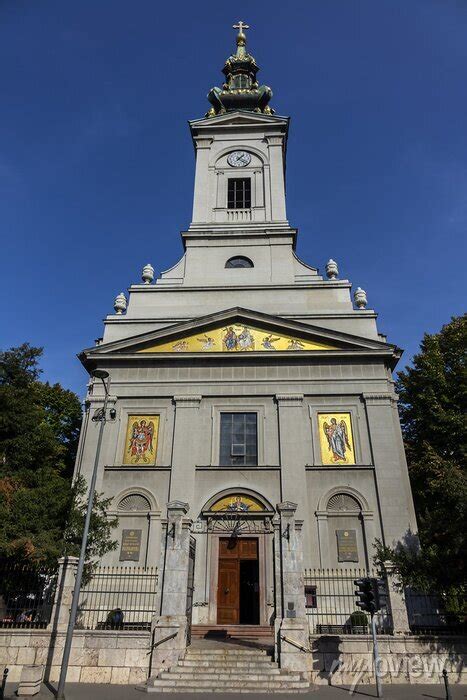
(226, 590)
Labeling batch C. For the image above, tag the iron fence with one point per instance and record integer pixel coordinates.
(118, 597)
(26, 595)
(330, 603)
(427, 614)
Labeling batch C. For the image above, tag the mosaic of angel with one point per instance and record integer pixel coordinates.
(207, 341)
(268, 341)
(338, 439)
(140, 444)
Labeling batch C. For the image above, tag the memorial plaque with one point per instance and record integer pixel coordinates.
(131, 545)
(347, 545)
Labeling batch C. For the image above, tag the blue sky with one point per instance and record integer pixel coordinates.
(96, 163)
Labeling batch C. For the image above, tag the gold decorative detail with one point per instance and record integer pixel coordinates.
(237, 503)
(236, 337)
(141, 440)
(336, 438)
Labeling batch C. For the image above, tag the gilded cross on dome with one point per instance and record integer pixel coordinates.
(241, 26)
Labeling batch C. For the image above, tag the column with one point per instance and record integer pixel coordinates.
(323, 539)
(169, 629)
(400, 619)
(201, 193)
(67, 567)
(182, 483)
(391, 474)
(293, 630)
(276, 162)
(292, 456)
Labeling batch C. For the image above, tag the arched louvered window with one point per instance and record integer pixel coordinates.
(239, 261)
(343, 502)
(134, 502)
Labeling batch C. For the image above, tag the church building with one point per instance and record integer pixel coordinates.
(252, 429)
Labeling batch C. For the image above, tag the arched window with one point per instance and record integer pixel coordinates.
(134, 502)
(239, 261)
(342, 502)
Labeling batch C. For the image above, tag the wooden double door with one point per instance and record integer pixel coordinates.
(238, 581)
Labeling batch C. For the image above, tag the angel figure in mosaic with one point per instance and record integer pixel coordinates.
(140, 445)
(180, 346)
(295, 344)
(268, 341)
(338, 439)
(208, 342)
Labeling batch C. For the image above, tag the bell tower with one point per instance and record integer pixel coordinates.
(240, 152)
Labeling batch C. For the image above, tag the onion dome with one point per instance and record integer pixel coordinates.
(240, 90)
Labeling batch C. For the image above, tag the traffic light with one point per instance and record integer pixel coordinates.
(367, 594)
(381, 593)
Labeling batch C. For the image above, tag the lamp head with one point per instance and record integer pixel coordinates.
(100, 374)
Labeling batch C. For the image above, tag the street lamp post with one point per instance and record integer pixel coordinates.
(103, 375)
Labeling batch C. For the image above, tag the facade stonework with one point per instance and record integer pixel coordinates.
(252, 430)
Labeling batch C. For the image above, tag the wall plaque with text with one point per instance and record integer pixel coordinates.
(347, 545)
(131, 545)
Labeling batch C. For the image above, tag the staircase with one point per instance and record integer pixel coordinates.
(222, 668)
(264, 633)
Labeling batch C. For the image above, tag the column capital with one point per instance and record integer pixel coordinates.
(380, 399)
(289, 399)
(274, 140)
(202, 142)
(178, 507)
(287, 508)
(192, 401)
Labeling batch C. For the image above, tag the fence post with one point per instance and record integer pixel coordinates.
(64, 593)
(400, 620)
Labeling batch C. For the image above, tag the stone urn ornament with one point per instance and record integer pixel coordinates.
(331, 269)
(360, 298)
(148, 274)
(120, 303)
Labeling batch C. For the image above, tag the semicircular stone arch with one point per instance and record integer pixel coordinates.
(234, 492)
(343, 502)
(134, 502)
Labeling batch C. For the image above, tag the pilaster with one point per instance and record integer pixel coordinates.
(183, 467)
(293, 627)
(67, 567)
(400, 619)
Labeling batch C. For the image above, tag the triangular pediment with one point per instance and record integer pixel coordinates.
(238, 118)
(238, 331)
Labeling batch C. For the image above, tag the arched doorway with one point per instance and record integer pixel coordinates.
(239, 558)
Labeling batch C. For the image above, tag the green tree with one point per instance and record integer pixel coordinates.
(41, 512)
(432, 409)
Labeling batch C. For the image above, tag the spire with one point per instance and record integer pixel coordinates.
(240, 90)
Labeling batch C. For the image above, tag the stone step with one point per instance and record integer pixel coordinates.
(246, 678)
(257, 690)
(242, 671)
(237, 631)
(231, 663)
(200, 651)
(225, 686)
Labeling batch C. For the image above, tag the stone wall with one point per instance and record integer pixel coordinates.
(122, 657)
(96, 656)
(404, 659)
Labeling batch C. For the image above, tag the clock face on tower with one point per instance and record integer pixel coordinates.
(239, 159)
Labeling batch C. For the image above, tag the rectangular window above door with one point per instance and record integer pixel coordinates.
(238, 439)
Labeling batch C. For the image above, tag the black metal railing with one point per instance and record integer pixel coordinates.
(26, 595)
(330, 603)
(118, 598)
(428, 614)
